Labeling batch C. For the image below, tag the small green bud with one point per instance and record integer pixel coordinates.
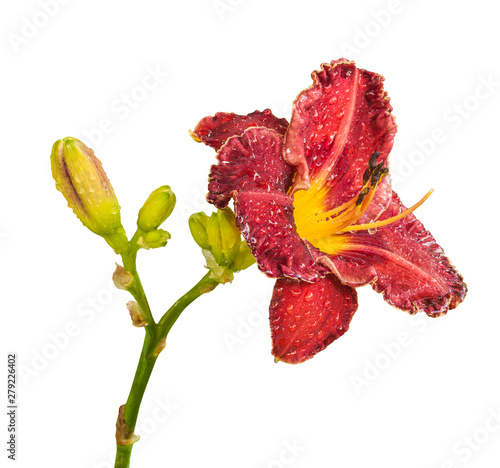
(223, 236)
(157, 208)
(154, 239)
(244, 259)
(81, 179)
(198, 223)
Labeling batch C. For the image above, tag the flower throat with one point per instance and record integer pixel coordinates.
(323, 228)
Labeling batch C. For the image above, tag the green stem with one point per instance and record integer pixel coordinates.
(145, 367)
(143, 372)
(206, 284)
(155, 336)
(123, 453)
(129, 257)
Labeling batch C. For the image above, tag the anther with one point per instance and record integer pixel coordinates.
(375, 179)
(378, 173)
(366, 175)
(362, 196)
(378, 167)
(372, 163)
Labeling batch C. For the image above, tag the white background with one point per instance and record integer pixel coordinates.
(424, 399)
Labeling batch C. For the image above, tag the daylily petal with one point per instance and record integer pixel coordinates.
(336, 125)
(214, 131)
(251, 161)
(306, 317)
(401, 260)
(251, 170)
(266, 222)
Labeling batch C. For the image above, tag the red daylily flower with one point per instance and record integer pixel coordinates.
(314, 202)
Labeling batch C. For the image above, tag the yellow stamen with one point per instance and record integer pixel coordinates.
(358, 211)
(324, 228)
(309, 211)
(366, 203)
(313, 222)
(385, 222)
(327, 214)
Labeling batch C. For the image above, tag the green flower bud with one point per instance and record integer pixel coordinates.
(154, 239)
(219, 237)
(198, 223)
(244, 259)
(157, 209)
(223, 236)
(81, 179)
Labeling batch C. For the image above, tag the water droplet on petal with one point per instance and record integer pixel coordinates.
(309, 296)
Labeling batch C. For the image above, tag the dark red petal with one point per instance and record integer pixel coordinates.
(265, 219)
(252, 171)
(404, 262)
(306, 317)
(251, 161)
(336, 125)
(214, 131)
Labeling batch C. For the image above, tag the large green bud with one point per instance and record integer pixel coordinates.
(81, 179)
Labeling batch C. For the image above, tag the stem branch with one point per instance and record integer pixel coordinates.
(155, 335)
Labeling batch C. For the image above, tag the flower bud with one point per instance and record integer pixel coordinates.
(198, 223)
(154, 239)
(244, 259)
(217, 234)
(223, 236)
(157, 208)
(81, 179)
